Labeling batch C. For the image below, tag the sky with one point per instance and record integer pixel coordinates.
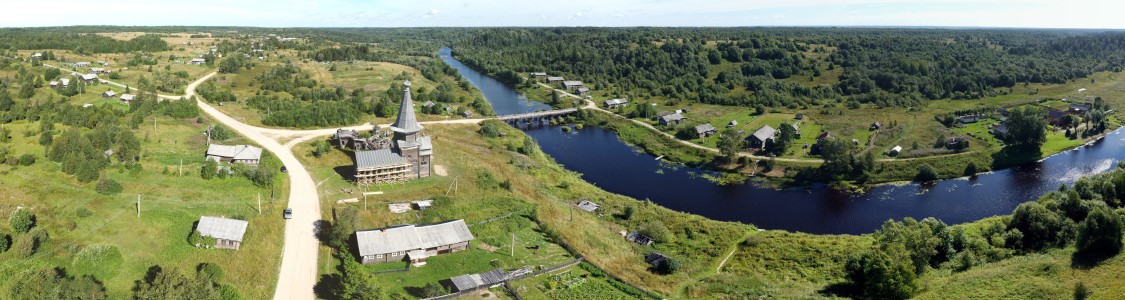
(1103, 14)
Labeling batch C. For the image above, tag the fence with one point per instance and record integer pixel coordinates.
(492, 219)
(510, 279)
(407, 268)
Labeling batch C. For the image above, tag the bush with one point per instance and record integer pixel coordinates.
(27, 159)
(1100, 235)
(880, 274)
(83, 212)
(108, 187)
(210, 167)
(668, 266)
(210, 272)
(1080, 291)
(433, 289)
(24, 246)
(320, 148)
(195, 239)
(971, 169)
(21, 220)
(926, 172)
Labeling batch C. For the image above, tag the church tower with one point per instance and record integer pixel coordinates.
(408, 141)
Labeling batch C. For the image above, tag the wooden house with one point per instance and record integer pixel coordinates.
(895, 151)
(109, 94)
(227, 233)
(762, 137)
(572, 85)
(89, 78)
(198, 61)
(128, 98)
(671, 119)
(555, 79)
(615, 103)
(240, 154)
(538, 74)
(413, 243)
(705, 130)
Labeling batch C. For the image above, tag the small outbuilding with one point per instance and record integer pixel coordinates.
(875, 126)
(538, 74)
(109, 94)
(198, 61)
(128, 98)
(895, 151)
(472, 282)
(615, 103)
(588, 206)
(732, 123)
(227, 233)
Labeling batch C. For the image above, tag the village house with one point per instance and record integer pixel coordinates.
(583, 91)
(127, 98)
(64, 82)
(227, 233)
(198, 61)
(639, 238)
(472, 282)
(538, 74)
(822, 138)
(895, 151)
(554, 79)
(572, 85)
(969, 119)
(81, 64)
(588, 206)
(655, 259)
(109, 94)
(762, 137)
(999, 130)
(54, 84)
(957, 143)
(37, 55)
(97, 70)
(1079, 109)
(796, 130)
(428, 104)
(875, 126)
(413, 243)
(671, 119)
(239, 154)
(467, 114)
(408, 156)
(89, 78)
(1055, 117)
(705, 130)
(615, 103)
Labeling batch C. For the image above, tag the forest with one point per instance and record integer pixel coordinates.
(778, 66)
(83, 43)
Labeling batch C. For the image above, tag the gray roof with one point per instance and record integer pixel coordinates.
(701, 128)
(110, 93)
(128, 97)
(222, 228)
(377, 158)
(407, 122)
(89, 76)
(672, 117)
(554, 78)
(570, 83)
(616, 102)
(428, 104)
(588, 206)
(538, 73)
(426, 146)
(764, 133)
(410, 237)
(237, 152)
(472, 281)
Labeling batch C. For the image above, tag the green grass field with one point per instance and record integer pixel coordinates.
(170, 204)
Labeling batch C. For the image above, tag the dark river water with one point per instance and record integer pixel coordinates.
(610, 164)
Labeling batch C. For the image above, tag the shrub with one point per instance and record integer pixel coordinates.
(108, 186)
(210, 167)
(1080, 291)
(24, 246)
(433, 289)
(83, 212)
(668, 266)
(210, 272)
(228, 292)
(27, 159)
(971, 169)
(21, 220)
(1100, 234)
(926, 172)
(880, 274)
(195, 239)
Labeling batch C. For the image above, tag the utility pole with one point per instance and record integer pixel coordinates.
(181, 167)
(138, 205)
(513, 245)
(259, 203)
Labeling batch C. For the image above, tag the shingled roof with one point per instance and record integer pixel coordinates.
(407, 122)
(237, 152)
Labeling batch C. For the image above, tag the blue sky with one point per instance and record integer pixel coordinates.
(425, 13)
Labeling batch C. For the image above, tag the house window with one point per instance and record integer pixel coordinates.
(394, 254)
(378, 256)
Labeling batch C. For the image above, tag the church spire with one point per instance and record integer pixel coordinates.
(407, 122)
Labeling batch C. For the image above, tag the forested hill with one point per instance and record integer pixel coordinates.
(78, 42)
(795, 66)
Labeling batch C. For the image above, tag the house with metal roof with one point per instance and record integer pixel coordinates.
(380, 166)
(198, 61)
(538, 74)
(242, 154)
(471, 282)
(554, 79)
(89, 78)
(227, 233)
(413, 243)
(128, 98)
(109, 94)
(762, 137)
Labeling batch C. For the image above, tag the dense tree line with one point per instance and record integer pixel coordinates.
(887, 67)
(82, 43)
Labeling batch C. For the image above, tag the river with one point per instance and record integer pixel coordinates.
(610, 164)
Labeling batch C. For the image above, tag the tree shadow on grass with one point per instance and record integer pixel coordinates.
(327, 286)
(840, 289)
(1085, 260)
